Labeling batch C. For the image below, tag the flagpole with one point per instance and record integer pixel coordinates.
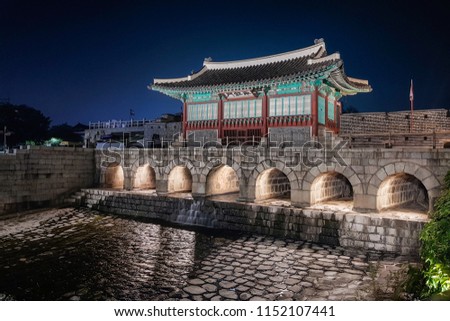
(411, 99)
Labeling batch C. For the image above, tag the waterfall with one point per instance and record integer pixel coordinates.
(196, 215)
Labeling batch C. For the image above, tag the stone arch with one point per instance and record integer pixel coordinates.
(285, 185)
(398, 170)
(281, 166)
(221, 179)
(114, 177)
(272, 183)
(177, 162)
(226, 161)
(179, 179)
(144, 177)
(347, 172)
(330, 186)
(402, 191)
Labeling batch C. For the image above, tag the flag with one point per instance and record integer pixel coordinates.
(411, 92)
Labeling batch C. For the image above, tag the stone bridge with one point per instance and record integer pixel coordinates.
(374, 179)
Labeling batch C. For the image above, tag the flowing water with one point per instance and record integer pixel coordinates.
(194, 216)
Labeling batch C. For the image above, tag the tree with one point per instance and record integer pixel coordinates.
(433, 278)
(25, 123)
(67, 132)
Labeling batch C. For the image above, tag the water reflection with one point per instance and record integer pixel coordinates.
(75, 254)
(79, 254)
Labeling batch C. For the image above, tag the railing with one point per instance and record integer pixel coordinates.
(119, 123)
(297, 120)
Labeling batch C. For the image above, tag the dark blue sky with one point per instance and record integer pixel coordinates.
(81, 61)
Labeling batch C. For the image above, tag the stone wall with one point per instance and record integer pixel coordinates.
(203, 136)
(352, 231)
(296, 135)
(395, 122)
(43, 176)
(164, 131)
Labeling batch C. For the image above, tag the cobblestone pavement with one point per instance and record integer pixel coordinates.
(80, 254)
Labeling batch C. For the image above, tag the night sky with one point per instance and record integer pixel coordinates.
(81, 61)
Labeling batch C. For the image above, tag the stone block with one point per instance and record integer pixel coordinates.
(374, 238)
(430, 183)
(364, 203)
(380, 247)
(357, 227)
(370, 169)
(416, 155)
(309, 178)
(411, 168)
(354, 180)
(372, 190)
(390, 169)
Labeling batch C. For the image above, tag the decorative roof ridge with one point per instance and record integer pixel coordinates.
(335, 56)
(168, 80)
(317, 49)
(358, 81)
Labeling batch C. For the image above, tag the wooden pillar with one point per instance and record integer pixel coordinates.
(338, 115)
(265, 113)
(184, 118)
(220, 118)
(315, 112)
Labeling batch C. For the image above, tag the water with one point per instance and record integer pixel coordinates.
(69, 253)
(194, 216)
(80, 254)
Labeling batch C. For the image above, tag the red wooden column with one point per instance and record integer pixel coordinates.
(220, 118)
(315, 112)
(264, 113)
(184, 118)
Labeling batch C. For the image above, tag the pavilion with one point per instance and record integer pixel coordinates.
(290, 96)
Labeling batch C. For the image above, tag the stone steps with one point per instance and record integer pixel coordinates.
(76, 199)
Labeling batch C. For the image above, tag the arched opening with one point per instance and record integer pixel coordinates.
(402, 191)
(272, 183)
(222, 180)
(114, 177)
(447, 145)
(145, 178)
(331, 186)
(180, 180)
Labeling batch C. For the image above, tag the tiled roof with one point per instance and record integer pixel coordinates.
(296, 64)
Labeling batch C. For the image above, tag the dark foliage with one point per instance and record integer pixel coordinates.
(24, 123)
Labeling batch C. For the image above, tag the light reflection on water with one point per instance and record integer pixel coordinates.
(80, 254)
